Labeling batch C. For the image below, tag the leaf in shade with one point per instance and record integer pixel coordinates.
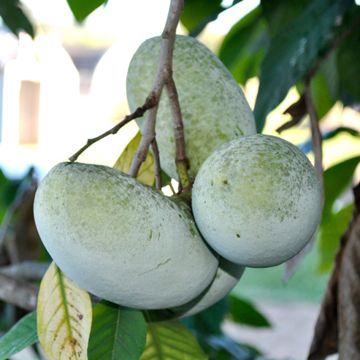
(19, 337)
(82, 9)
(244, 312)
(336, 179)
(117, 333)
(170, 340)
(64, 315)
(146, 173)
(294, 50)
(244, 46)
(332, 227)
(15, 18)
(348, 65)
(208, 321)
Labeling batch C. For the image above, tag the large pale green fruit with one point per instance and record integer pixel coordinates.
(257, 200)
(227, 276)
(213, 106)
(121, 240)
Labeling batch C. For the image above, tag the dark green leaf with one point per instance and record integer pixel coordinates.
(336, 180)
(83, 8)
(208, 321)
(244, 312)
(331, 230)
(349, 65)
(244, 46)
(19, 337)
(294, 50)
(280, 13)
(117, 333)
(197, 13)
(15, 18)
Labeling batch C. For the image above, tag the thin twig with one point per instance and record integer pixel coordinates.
(140, 111)
(157, 166)
(181, 160)
(315, 134)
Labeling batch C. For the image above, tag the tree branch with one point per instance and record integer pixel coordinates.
(18, 293)
(140, 111)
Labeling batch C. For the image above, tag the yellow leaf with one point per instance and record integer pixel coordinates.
(64, 314)
(146, 174)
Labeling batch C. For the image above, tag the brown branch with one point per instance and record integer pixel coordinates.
(140, 111)
(18, 293)
(164, 78)
(157, 166)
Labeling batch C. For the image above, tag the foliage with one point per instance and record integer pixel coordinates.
(284, 44)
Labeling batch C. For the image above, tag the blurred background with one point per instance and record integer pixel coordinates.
(67, 84)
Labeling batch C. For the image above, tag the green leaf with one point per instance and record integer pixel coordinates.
(117, 333)
(336, 180)
(197, 13)
(208, 321)
(294, 50)
(244, 312)
(331, 230)
(19, 337)
(170, 340)
(349, 65)
(83, 8)
(322, 98)
(15, 18)
(243, 48)
(146, 174)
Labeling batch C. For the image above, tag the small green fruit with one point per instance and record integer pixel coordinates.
(121, 240)
(214, 108)
(257, 200)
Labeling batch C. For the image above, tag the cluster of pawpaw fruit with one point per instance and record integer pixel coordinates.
(256, 199)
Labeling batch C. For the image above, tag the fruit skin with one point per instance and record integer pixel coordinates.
(214, 108)
(121, 240)
(257, 200)
(227, 276)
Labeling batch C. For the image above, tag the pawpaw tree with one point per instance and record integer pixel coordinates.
(189, 106)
